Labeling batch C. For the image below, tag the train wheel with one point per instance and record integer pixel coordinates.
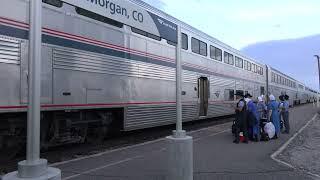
(12, 147)
(97, 135)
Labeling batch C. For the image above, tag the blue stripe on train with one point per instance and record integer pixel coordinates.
(23, 34)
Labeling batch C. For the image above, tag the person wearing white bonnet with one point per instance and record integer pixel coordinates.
(272, 98)
(273, 106)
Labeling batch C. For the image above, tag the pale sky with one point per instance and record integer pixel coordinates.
(239, 23)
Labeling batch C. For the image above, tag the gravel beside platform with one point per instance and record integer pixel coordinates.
(304, 151)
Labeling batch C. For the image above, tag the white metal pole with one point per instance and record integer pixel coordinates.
(180, 146)
(34, 167)
(178, 84)
(318, 59)
(33, 134)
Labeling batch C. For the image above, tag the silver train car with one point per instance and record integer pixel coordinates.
(101, 76)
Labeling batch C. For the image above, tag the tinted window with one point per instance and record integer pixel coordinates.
(261, 90)
(249, 66)
(184, 41)
(218, 54)
(171, 43)
(203, 48)
(231, 61)
(226, 57)
(272, 77)
(195, 45)
(152, 36)
(144, 33)
(229, 94)
(56, 3)
(98, 17)
(254, 68)
(238, 62)
(261, 70)
(215, 53)
(198, 47)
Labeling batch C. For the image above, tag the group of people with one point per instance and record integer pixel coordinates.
(251, 117)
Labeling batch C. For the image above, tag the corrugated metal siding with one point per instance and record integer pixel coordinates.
(10, 51)
(215, 110)
(189, 76)
(138, 117)
(223, 82)
(69, 59)
(154, 71)
(239, 85)
(189, 112)
(89, 62)
(148, 116)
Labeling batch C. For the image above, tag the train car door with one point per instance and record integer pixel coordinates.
(203, 94)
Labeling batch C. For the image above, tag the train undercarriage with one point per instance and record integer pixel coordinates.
(60, 127)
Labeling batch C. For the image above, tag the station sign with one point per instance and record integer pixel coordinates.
(130, 14)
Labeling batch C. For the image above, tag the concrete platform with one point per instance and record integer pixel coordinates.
(215, 157)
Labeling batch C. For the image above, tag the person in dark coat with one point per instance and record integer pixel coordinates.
(286, 114)
(281, 111)
(252, 118)
(240, 122)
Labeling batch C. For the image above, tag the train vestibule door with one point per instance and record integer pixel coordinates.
(203, 95)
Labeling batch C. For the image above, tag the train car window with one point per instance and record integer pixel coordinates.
(98, 17)
(231, 60)
(184, 41)
(215, 53)
(226, 57)
(203, 48)
(261, 90)
(218, 54)
(56, 3)
(144, 33)
(195, 45)
(249, 66)
(229, 95)
(212, 52)
(238, 62)
(254, 68)
(171, 43)
(155, 37)
(138, 31)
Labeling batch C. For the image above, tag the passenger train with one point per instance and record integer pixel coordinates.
(100, 75)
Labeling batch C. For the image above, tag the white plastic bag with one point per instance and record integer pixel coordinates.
(270, 129)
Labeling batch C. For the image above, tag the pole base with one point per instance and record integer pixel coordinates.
(180, 157)
(37, 170)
